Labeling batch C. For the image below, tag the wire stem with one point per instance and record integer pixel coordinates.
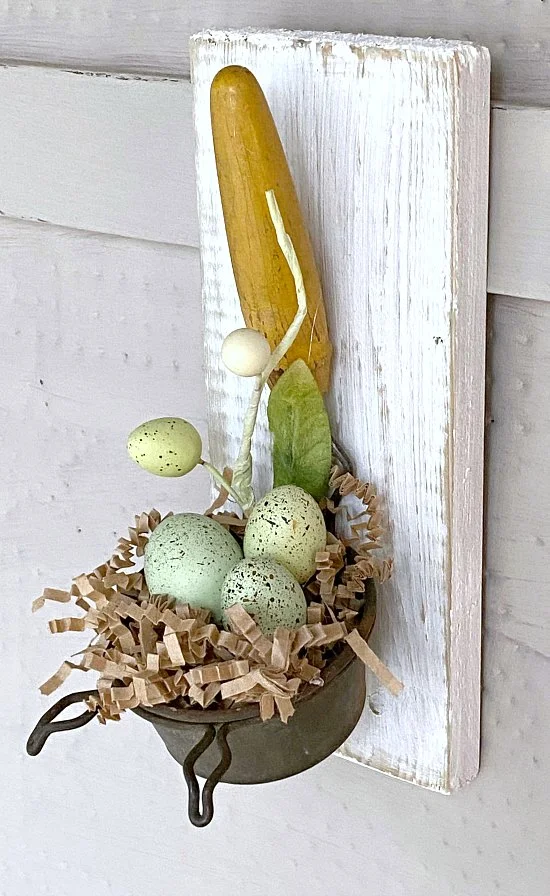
(223, 483)
(242, 469)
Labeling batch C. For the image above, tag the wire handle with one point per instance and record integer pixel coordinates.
(200, 818)
(46, 726)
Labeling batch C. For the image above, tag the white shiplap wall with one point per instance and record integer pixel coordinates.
(153, 35)
(61, 126)
(336, 829)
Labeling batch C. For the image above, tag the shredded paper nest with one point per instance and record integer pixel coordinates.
(150, 650)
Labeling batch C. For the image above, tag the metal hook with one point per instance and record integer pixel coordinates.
(46, 726)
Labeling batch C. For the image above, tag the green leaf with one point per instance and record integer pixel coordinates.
(302, 443)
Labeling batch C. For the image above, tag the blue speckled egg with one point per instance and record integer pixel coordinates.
(188, 556)
(268, 592)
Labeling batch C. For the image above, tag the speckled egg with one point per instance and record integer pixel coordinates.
(287, 525)
(188, 556)
(167, 446)
(268, 592)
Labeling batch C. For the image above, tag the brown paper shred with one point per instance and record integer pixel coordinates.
(366, 527)
(243, 624)
(122, 695)
(240, 685)
(217, 672)
(280, 651)
(153, 663)
(307, 672)
(173, 647)
(267, 707)
(222, 495)
(83, 585)
(369, 658)
(140, 689)
(53, 594)
(314, 614)
(285, 707)
(58, 678)
(204, 697)
(124, 637)
(230, 521)
(68, 624)
(326, 634)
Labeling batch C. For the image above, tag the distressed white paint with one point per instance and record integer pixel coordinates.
(388, 144)
(104, 153)
(336, 829)
(153, 35)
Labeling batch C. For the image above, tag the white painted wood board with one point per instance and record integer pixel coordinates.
(114, 153)
(57, 292)
(152, 35)
(388, 144)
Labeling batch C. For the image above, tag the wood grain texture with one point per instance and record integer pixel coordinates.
(104, 153)
(390, 160)
(153, 35)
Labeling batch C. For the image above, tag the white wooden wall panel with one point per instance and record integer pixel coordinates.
(517, 554)
(109, 153)
(114, 153)
(153, 35)
(405, 298)
(82, 366)
(520, 192)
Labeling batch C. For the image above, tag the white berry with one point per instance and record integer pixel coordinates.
(245, 352)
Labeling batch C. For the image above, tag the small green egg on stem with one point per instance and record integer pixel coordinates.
(166, 446)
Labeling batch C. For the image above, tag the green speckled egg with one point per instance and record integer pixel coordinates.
(167, 446)
(268, 592)
(188, 556)
(287, 525)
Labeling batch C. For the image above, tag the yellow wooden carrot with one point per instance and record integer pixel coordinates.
(250, 161)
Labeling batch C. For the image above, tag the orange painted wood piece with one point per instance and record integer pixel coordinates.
(250, 160)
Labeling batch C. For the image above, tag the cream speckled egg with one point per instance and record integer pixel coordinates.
(167, 446)
(188, 556)
(287, 525)
(268, 592)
